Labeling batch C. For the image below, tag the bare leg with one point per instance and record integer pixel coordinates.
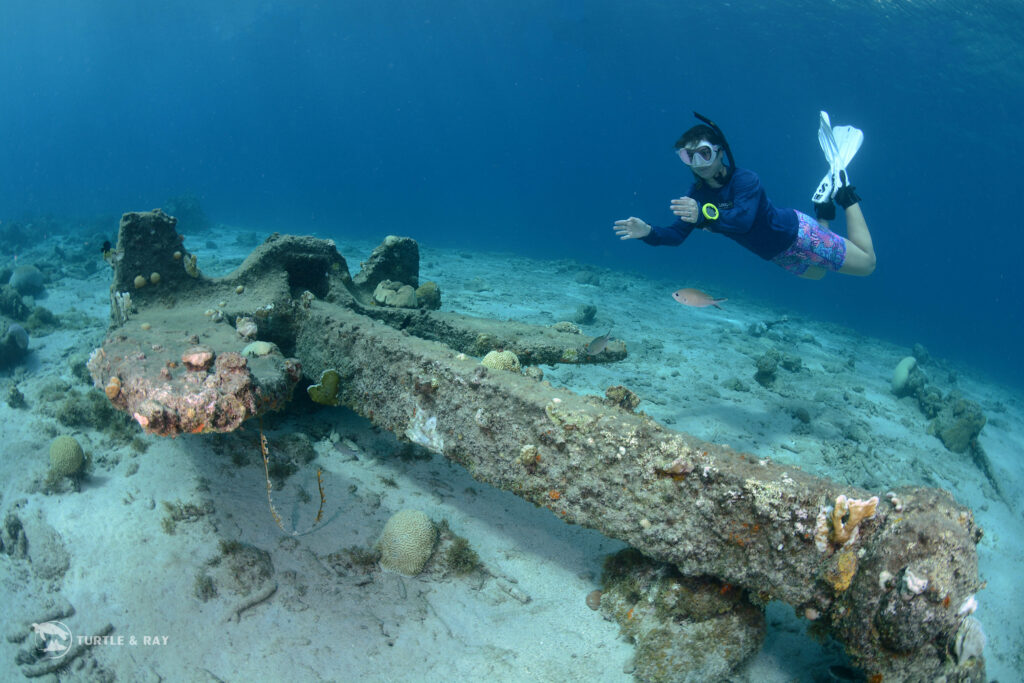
(860, 252)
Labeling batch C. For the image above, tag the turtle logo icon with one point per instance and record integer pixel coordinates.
(53, 639)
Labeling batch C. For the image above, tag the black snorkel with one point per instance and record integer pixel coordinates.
(725, 144)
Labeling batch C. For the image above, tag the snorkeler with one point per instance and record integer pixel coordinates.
(730, 200)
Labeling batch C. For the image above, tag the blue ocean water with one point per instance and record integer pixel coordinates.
(531, 126)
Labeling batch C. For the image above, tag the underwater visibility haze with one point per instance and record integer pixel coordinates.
(531, 126)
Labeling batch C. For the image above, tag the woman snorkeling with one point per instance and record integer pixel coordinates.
(730, 200)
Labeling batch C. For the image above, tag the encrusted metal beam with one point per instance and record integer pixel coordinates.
(891, 594)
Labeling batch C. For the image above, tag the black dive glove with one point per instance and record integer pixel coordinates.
(825, 211)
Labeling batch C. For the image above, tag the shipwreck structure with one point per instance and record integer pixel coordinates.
(892, 579)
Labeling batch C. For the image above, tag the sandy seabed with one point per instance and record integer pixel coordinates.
(168, 558)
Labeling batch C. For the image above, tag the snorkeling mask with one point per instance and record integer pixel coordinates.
(704, 154)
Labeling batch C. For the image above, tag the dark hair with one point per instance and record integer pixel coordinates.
(698, 133)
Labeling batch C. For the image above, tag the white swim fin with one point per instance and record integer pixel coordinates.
(839, 144)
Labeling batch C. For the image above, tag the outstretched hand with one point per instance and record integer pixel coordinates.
(632, 229)
(685, 208)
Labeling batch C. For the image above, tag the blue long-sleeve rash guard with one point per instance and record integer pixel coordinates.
(746, 216)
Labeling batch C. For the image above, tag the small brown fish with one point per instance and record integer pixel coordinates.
(695, 298)
(598, 344)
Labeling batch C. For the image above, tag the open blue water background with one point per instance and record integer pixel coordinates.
(530, 126)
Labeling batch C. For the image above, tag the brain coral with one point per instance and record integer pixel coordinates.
(66, 456)
(407, 541)
(428, 295)
(27, 280)
(502, 360)
(18, 335)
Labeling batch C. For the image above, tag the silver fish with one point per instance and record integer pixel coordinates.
(598, 344)
(696, 298)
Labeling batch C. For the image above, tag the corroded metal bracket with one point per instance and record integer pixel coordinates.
(179, 355)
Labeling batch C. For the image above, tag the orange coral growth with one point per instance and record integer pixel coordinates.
(554, 495)
(745, 536)
(854, 512)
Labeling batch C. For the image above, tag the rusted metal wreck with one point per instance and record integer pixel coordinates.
(187, 353)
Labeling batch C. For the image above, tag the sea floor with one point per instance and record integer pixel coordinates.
(168, 548)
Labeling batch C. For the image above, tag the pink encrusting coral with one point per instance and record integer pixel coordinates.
(197, 358)
(173, 388)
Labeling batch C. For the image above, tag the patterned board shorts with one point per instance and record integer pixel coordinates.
(813, 246)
